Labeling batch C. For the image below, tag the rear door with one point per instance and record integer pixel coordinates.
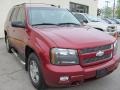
(10, 29)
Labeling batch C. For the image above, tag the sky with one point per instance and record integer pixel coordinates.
(103, 4)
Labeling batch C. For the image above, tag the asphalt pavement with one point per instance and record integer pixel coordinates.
(14, 77)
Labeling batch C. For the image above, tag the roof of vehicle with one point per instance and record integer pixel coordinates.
(37, 5)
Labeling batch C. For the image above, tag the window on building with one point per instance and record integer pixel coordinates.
(74, 7)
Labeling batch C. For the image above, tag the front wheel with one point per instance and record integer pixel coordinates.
(35, 72)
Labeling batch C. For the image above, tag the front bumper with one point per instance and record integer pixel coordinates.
(76, 73)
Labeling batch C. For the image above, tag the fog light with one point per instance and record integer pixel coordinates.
(64, 78)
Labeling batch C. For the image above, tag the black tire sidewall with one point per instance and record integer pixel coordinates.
(41, 84)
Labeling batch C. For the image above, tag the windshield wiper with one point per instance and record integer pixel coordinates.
(68, 24)
(43, 24)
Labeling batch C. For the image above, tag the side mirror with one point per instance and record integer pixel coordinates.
(18, 24)
(84, 22)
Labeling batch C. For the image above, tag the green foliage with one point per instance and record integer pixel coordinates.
(107, 12)
(118, 9)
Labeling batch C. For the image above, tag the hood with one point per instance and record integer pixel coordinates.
(100, 25)
(75, 37)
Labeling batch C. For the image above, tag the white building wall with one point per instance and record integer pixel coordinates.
(5, 6)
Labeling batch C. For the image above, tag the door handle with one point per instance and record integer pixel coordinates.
(8, 27)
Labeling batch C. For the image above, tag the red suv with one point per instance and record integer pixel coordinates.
(56, 49)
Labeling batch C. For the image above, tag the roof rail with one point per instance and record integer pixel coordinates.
(20, 4)
(37, 3)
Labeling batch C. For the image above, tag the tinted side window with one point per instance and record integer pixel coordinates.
(21, 15)
(11, 14)
(80, 17)
(14, 14)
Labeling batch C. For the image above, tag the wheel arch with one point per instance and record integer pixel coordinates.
(28, 50)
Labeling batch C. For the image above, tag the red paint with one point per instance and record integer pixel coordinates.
(43, 39)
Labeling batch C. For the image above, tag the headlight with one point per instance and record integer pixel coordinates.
(64, 56)
(115, 47)
(111, 28)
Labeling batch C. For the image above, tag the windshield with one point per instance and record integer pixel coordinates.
(109, 21)
(112, 22)
(115, 21)
(51, 16)
(93, 18)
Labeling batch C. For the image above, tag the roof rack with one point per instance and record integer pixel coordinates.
(20, 4)
(37, 3)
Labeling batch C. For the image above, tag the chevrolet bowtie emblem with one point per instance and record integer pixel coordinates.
(100, 53)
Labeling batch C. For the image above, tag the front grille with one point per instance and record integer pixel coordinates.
(96, 49)
(111, 29)
(89, 55)
(95, 59)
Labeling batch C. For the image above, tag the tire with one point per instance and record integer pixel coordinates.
(8, 45)
(35, 72)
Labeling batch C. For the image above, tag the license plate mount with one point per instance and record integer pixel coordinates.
(101, 73)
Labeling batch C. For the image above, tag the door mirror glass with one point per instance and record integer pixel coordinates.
(18, 24)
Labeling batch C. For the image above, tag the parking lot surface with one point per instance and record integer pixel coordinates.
(14, 77)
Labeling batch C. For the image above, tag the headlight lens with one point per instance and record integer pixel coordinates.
(64, 56)
(115, 47)
(111, 28)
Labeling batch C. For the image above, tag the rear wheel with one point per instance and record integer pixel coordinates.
(35, 72)
(8, 45)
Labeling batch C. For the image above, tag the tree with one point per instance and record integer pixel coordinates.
(107, 12)
(118, 9)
